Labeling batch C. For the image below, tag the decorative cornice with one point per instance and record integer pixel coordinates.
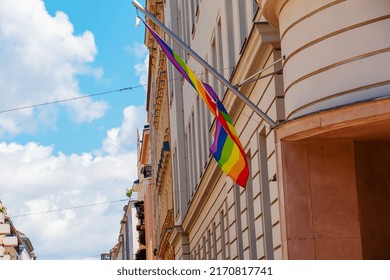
(161, 89)
(163, 163)
(165, 235)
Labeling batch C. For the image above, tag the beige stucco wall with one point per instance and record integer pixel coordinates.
(224, 221)
(322, 214)
(159, 194)
(333, 171)
(337, 52)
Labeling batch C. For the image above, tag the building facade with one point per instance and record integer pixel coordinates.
(214, 218)
(14, 245)
(334, 145)
(158, 197)
(318, 185)
(222, 220)
(126, 247)
(132, 238)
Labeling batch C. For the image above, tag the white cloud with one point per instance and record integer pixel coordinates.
(141, 70)
(124, 137)
(141, 53)
(138, 50)
(40, 58)
(36, 179)
(44, 53)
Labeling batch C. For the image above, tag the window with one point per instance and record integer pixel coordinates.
(176, 182)
(265, 196)
(195, 10)
(243, 22)
(250, 212)
(187, 22)
(199, 132)
(237, 209)
(195, 175)
(180, 21)
(214, 62)
(223, 241)
(208, 117)
(188, 160)
(214, 241)
(230, 36)
(220, 63)
(209, 256)
(204, 248)
(254, 8)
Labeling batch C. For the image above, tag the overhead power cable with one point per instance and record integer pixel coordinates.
(66, 100)
(85, 96)
(87, 205)
(69, 208)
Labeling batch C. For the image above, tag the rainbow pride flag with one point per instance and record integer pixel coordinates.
(226, 148)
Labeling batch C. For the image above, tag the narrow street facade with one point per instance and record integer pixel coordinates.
(318, 185)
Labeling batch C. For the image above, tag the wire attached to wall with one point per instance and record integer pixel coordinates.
(69, 208)
(86, 96)
(67, 100)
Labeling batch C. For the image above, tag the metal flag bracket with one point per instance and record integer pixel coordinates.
(218, 76)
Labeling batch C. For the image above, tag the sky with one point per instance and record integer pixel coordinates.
(73, 153)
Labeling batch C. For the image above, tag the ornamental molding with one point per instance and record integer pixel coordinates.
(165, 247)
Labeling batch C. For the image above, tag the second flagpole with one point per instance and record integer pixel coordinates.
(264, 116)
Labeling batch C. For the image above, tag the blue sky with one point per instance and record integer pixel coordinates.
(75, 153)
(112, 25)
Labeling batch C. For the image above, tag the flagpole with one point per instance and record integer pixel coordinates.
(205, 64)
(251, 78)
